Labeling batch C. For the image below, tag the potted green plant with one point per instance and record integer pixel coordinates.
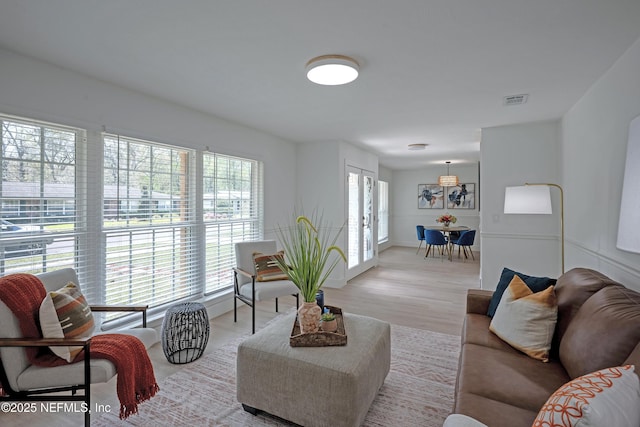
(329, 322)
(308, 245)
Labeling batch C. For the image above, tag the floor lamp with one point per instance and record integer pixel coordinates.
(534, 199)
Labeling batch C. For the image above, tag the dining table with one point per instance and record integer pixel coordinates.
(447, 232)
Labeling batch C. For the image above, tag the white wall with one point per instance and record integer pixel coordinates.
(38, 90)
(322, 184)
(594, 134)
(586, 154)
(514, 155)
(405, 214)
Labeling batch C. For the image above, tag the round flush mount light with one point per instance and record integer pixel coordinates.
(417, 147)
(332, 70)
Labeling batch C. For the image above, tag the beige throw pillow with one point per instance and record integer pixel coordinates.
(526, 320)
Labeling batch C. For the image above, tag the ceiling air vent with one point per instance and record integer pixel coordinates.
(515, 99)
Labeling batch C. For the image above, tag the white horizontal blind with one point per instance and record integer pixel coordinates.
(383, 211)
(233, 212)
(43, 198)
(149, 225)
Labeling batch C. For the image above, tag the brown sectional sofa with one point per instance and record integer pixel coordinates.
(598, 327)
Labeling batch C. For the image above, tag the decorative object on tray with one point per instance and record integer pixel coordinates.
(320, 338)
(446, 219)
(307, 253)
(329, 322)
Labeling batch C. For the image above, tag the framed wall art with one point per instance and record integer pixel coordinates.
(462, 196)
(430, 196)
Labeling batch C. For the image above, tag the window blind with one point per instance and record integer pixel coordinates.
(233, 212)
(149, 225)
(43, 198)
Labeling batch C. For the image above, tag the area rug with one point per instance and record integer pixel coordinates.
(417, 392)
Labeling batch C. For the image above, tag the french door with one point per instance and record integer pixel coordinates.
(362, 220)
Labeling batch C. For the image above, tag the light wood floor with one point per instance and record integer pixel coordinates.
(404, 289)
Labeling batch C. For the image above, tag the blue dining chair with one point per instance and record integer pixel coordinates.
(435, 238)
(420, 233)
(465, 241)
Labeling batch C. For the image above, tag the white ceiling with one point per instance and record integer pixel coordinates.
(432, 71)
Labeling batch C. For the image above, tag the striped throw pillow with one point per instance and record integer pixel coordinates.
(65, 314)
(267, 268)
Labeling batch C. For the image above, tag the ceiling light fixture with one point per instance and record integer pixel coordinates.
(417, 147)
(448, 180)
(332, 70)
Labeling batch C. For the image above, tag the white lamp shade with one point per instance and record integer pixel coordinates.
(629, 223)
(527, 199)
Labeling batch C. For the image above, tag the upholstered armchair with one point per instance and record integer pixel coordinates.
(248, 285)
(23, 381)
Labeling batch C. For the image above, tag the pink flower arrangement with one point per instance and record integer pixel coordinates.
(446, 219)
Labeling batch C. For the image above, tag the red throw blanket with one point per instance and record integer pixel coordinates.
(23, 293)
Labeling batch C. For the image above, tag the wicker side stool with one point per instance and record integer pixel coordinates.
(185, 332)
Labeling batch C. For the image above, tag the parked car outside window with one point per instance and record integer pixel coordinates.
(22, 240)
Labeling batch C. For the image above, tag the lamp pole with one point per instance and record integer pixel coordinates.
(561, 214)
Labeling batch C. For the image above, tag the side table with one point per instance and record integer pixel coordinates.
(185, 332)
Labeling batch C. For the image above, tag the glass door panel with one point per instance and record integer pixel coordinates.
(367, 218)
(354, 222)
(362, 220)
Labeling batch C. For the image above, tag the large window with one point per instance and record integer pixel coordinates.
(149, 224)
(42, 202)
(232, 205)
(383, 211)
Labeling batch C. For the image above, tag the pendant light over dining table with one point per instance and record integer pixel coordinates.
(448, 180)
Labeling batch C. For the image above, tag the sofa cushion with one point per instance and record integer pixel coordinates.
(536, 284)
(526, 320)
(572, 289)
(634, 358)
(609, 397)
(475, 330)
(603, 332)
(492, 412)
(509, 377)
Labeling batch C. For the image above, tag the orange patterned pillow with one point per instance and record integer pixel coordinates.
(609, 397)
(267, 269)
(65, 314)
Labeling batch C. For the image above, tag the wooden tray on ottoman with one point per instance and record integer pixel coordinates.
(320, 338)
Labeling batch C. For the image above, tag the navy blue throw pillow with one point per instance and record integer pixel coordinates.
(536, 284)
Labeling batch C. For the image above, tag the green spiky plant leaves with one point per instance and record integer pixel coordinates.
(308, 245)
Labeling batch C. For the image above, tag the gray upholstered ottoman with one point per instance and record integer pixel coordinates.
(314, 386)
